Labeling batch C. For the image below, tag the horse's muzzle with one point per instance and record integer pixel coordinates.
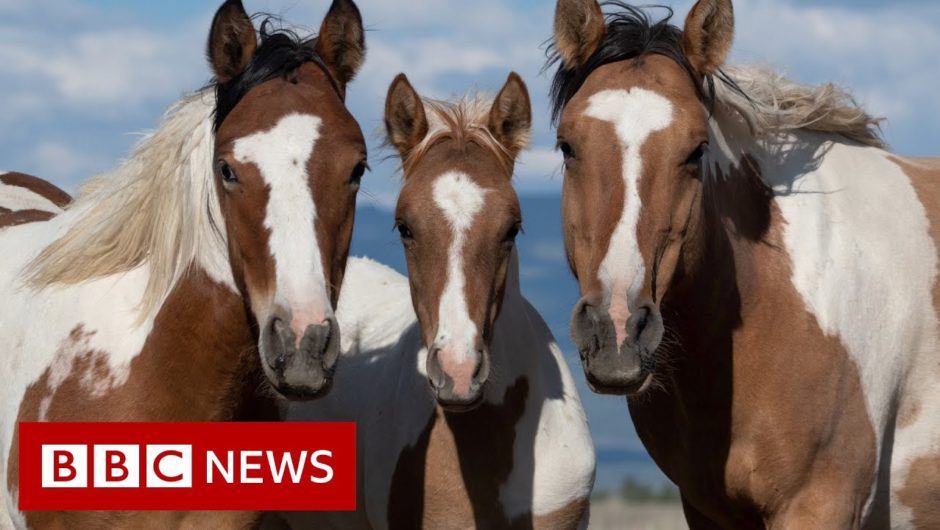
(611, 369)
(458, 386)
(300, 371)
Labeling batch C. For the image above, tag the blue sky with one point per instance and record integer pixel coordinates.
(79, 79)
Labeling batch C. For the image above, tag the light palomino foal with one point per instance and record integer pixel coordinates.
(143, 299)
(760, 279)
(504, 442)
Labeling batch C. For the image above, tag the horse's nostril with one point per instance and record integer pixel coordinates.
(435, 372)
(642, 319)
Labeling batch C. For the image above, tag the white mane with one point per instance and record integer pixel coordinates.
(771, 103)
(159, 207)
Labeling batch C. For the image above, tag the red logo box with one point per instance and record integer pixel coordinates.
(187, 466)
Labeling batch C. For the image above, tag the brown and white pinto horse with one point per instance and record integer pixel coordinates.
(27, 199)
(486, 431)
(759, 276)
(224, 234)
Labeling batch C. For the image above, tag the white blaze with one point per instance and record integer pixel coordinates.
(635, 114)
(281, 155)
(460, 200)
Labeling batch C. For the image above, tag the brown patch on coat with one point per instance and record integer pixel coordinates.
(451, 477)
(199, 363)
(22, 217)
(762, 418)
(38, 186)
(921, 492)
(924, 174)
(908, 414)
(921, 489)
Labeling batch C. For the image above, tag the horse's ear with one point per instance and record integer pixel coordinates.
(511, 116)
(579, 29)
(708, 34)
(405, 120)
(342, 42)
(232, 41)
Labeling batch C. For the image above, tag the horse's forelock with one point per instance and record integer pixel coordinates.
(281, 52)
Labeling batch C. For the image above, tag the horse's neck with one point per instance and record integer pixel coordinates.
(513, 291)
(199, 354)
(512, 327)
(777, 212)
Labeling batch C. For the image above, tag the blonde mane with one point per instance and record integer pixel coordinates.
(464, 121)
(771, 103)
(158, 207)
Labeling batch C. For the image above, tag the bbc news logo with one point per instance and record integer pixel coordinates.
(170, 466)
(187, 466)
(116, 466)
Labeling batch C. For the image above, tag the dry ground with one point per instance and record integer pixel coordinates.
(614, 513)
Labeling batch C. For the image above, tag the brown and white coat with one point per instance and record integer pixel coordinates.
(490, 431)
(762, 284)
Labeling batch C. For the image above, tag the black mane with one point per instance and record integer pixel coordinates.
(279, 54)
(630, 33)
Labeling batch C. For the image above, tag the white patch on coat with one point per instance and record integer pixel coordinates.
(553, 455)
(35, 327)
(865, 265)
(20, 198)
(281, 155)
(635, 115)
(460, 200)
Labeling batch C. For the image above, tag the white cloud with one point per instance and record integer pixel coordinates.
(885, 55)
(62, 163)
(111, 68)
(69, 56)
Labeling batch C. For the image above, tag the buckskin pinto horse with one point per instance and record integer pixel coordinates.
(761, 282)
(225, 233)
(486, 430)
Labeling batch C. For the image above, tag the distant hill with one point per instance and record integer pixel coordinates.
(549, 286)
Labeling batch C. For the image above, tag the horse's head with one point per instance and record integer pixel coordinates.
(458, 216)
(288, 160)
(633, 129)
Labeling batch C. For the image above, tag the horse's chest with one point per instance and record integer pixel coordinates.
(453, 475)
(771, 413)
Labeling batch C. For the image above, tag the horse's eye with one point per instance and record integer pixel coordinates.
(512, 233)
(356, 177)
(404, 231)
(226, 172)
(696, 156)
(566, 150)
